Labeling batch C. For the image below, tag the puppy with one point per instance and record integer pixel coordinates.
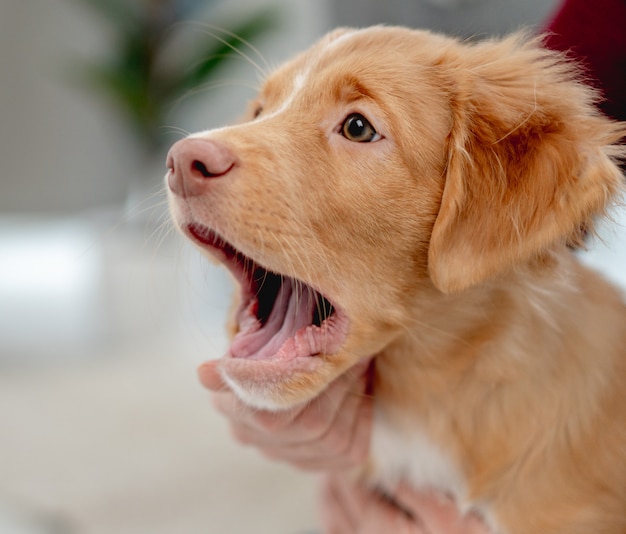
(402, 194)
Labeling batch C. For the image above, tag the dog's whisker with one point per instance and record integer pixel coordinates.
(212, 32)
(157, 209)
(161, 233)
(250, 46)
(149, 202)
(177, 130)
(208, 86)
(246, 84)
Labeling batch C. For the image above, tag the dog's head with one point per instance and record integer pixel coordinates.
(377, 167)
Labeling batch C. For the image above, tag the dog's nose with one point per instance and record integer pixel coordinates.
(193, 162)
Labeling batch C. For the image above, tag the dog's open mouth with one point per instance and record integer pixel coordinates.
(279, 317)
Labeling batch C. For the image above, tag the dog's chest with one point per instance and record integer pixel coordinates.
(409, 454)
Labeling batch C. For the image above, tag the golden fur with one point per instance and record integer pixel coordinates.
(446, 245)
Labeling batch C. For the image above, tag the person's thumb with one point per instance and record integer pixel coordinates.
(210, 377)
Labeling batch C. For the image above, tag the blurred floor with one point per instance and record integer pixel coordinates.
(103, 426)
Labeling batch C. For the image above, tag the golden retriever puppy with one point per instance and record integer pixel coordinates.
(402, 194)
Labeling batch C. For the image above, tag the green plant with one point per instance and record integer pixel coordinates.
(137, 74)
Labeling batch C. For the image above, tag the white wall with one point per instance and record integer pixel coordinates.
(457, 17)
(64, 149)
(59, 147)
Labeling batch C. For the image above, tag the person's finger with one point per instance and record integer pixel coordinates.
(315, 418)
(357, 509)
(380, 514)
(315, 463)
(337, 432)
(251, 425)
(335, 515)
(345, 445)
(210, 377)
(383, 517)
(317, 436)
(438, 512)
(337, 438)
(359, 446)
(306, 423)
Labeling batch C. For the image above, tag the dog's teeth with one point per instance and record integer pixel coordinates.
(249, 324)
(248, 320)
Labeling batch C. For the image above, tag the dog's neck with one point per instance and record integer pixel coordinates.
(486, 377)
(507, 330)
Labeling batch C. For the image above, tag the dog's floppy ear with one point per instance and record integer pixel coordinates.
(529, 161)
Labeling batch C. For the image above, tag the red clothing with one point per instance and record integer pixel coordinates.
(595, 33)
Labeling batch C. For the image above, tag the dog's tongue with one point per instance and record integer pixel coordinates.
(293, 309)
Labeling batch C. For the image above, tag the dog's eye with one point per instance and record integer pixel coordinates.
(357, 128)
(257, 111)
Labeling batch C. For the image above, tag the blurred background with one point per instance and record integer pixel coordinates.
(104, 311)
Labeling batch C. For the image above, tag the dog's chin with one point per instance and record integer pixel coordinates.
(276, 385)
(290, 338)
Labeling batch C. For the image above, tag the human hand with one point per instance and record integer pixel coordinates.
(349, 507)
(330, 432)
